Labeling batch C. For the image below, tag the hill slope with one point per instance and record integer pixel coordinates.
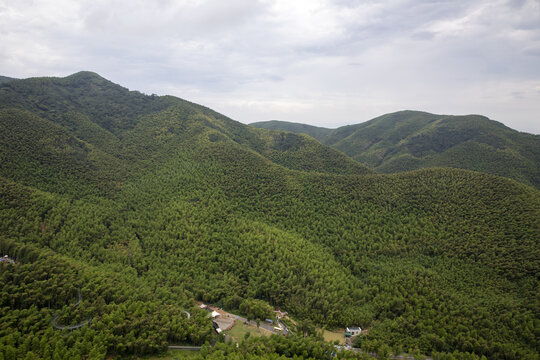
(4, 79)
(409, 140)
(147, 203)
(319, 133)
(127, 125)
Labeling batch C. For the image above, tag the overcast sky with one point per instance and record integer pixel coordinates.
(327, 63)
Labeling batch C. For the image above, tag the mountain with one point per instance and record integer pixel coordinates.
(319, 133)
(111, 118)
(120, 209)
(409, 140)
(4, 79)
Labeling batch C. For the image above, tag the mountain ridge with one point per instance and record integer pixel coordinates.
(81, 103)
(145, 204)
(4, 79)
(408, 140)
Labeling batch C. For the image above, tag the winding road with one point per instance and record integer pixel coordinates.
(70, 327)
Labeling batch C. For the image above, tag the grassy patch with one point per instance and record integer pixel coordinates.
(240, 329)
(332, 336)
(289, 324)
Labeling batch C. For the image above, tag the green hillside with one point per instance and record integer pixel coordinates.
(38, 152)
(148, 203)
(409, 140)
(319, 133)
(132, 126)
(4, 79)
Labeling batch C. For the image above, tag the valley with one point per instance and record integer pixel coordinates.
(148, 204)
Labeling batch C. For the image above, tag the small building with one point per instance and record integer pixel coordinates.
(202, 306)
(6, 260)
(216, 327)
(353, 331)
(215, 314)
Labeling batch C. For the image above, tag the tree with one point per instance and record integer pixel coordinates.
(357, 341)
(306, 327)
(383, 352)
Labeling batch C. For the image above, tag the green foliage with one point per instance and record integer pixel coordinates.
(114, 120)
(4, 79)
(127, 315)
(111, 106)
(315, 132)
(274, 347)
(148, 208)
(256, 309)
(409, 140)
(37, 152)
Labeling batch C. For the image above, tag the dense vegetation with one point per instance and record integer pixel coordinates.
(409, 140)
(146, 203)
(127, 315)
(317, 132)
(5, 79)
(277, 347)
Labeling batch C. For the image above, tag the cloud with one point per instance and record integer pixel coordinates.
(319, 61)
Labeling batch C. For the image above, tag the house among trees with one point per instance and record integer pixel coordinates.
(213, 313)
(6, 260)
(352, 331)
(216, 327)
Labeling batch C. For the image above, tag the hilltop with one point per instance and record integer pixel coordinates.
(409, 140)
(319, 133)
(95, 128)
(4, 79)
(148, 203)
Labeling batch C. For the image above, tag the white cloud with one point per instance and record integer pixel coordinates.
(319, 61)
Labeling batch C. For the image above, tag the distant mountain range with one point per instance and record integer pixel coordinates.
(409, 140)
(124, 208)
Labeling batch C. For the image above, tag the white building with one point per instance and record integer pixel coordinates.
(353, 331)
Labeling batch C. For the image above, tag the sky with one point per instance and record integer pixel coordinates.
(322, 62)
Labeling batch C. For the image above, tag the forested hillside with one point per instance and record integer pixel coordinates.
(118, 122)
(409, 140)
(319, 133)
(5, 79)
(148, 203)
